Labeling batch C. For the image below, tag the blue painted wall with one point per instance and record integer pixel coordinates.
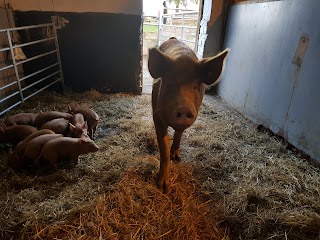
(260, 79)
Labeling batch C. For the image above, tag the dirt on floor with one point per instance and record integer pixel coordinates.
(234, 181)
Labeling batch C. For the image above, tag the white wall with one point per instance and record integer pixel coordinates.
(108, 6)
(261, 79)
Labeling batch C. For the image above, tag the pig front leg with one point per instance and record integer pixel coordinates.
(52, 158)
(90, 133)
(163, 145)
(175, 148)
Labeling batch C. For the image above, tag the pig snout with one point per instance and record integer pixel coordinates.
(182, 117)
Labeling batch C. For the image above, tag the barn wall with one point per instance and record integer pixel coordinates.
(7, 76)
(100, 43)
(120, 6)
(262, 81)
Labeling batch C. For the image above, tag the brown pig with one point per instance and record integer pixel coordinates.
(14, 161)
(15, 134)
(67, 148)
(44, 117)
(90, 116)
(59, 125)
(34, 147)
(16, 158)
(178, 94)
(21, 119)
(78, 127)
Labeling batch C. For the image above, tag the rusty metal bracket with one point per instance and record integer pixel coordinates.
(301, 49)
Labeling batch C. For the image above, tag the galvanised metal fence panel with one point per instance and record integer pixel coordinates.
(49, 75)
(180, 23)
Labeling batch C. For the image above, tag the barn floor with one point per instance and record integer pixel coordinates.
(234, 182)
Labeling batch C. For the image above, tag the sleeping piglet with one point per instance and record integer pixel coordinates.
(67, 148)
(15, 134)
(59, 125)
(78, 127)
(90, 116)
(21, 119)
(44, 117)
(34, 147)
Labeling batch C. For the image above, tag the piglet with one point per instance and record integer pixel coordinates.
(15, 159)
(90, 116)
(78, 127)
(21, 119)
(67, 148)
(34, 147)
(15, 162)
(59, 125)
(44, 117)
(15, 134)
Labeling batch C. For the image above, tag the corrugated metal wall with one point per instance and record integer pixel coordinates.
(262, 81)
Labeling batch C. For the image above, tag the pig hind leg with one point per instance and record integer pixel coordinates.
(93, 131)
(52, 159)
(175, 148)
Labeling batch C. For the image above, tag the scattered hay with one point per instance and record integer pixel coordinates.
(135, 209)
(262, 190)
(244, 182)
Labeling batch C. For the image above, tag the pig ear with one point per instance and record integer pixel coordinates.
(211, 68)
(158, 63)
(1, 130)
(72, 127)
(69, 109)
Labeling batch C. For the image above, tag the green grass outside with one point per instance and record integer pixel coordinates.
(150, 28)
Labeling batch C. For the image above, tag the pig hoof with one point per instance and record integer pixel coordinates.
(163, 185)
(175, 156)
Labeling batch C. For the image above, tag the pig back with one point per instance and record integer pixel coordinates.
(67, 148)
(21, 119)
(20, 148)
(15, 134)
(89, 115)
(34, 147)
(175, 48)
(59, 125)
(44, 117)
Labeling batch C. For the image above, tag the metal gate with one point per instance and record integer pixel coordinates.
(180, 23)
(20, 88)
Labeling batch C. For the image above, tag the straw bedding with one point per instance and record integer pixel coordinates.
(234, 181)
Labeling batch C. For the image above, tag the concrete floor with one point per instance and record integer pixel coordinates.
(146, 77)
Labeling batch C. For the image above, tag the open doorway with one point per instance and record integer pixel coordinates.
(163, 19)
